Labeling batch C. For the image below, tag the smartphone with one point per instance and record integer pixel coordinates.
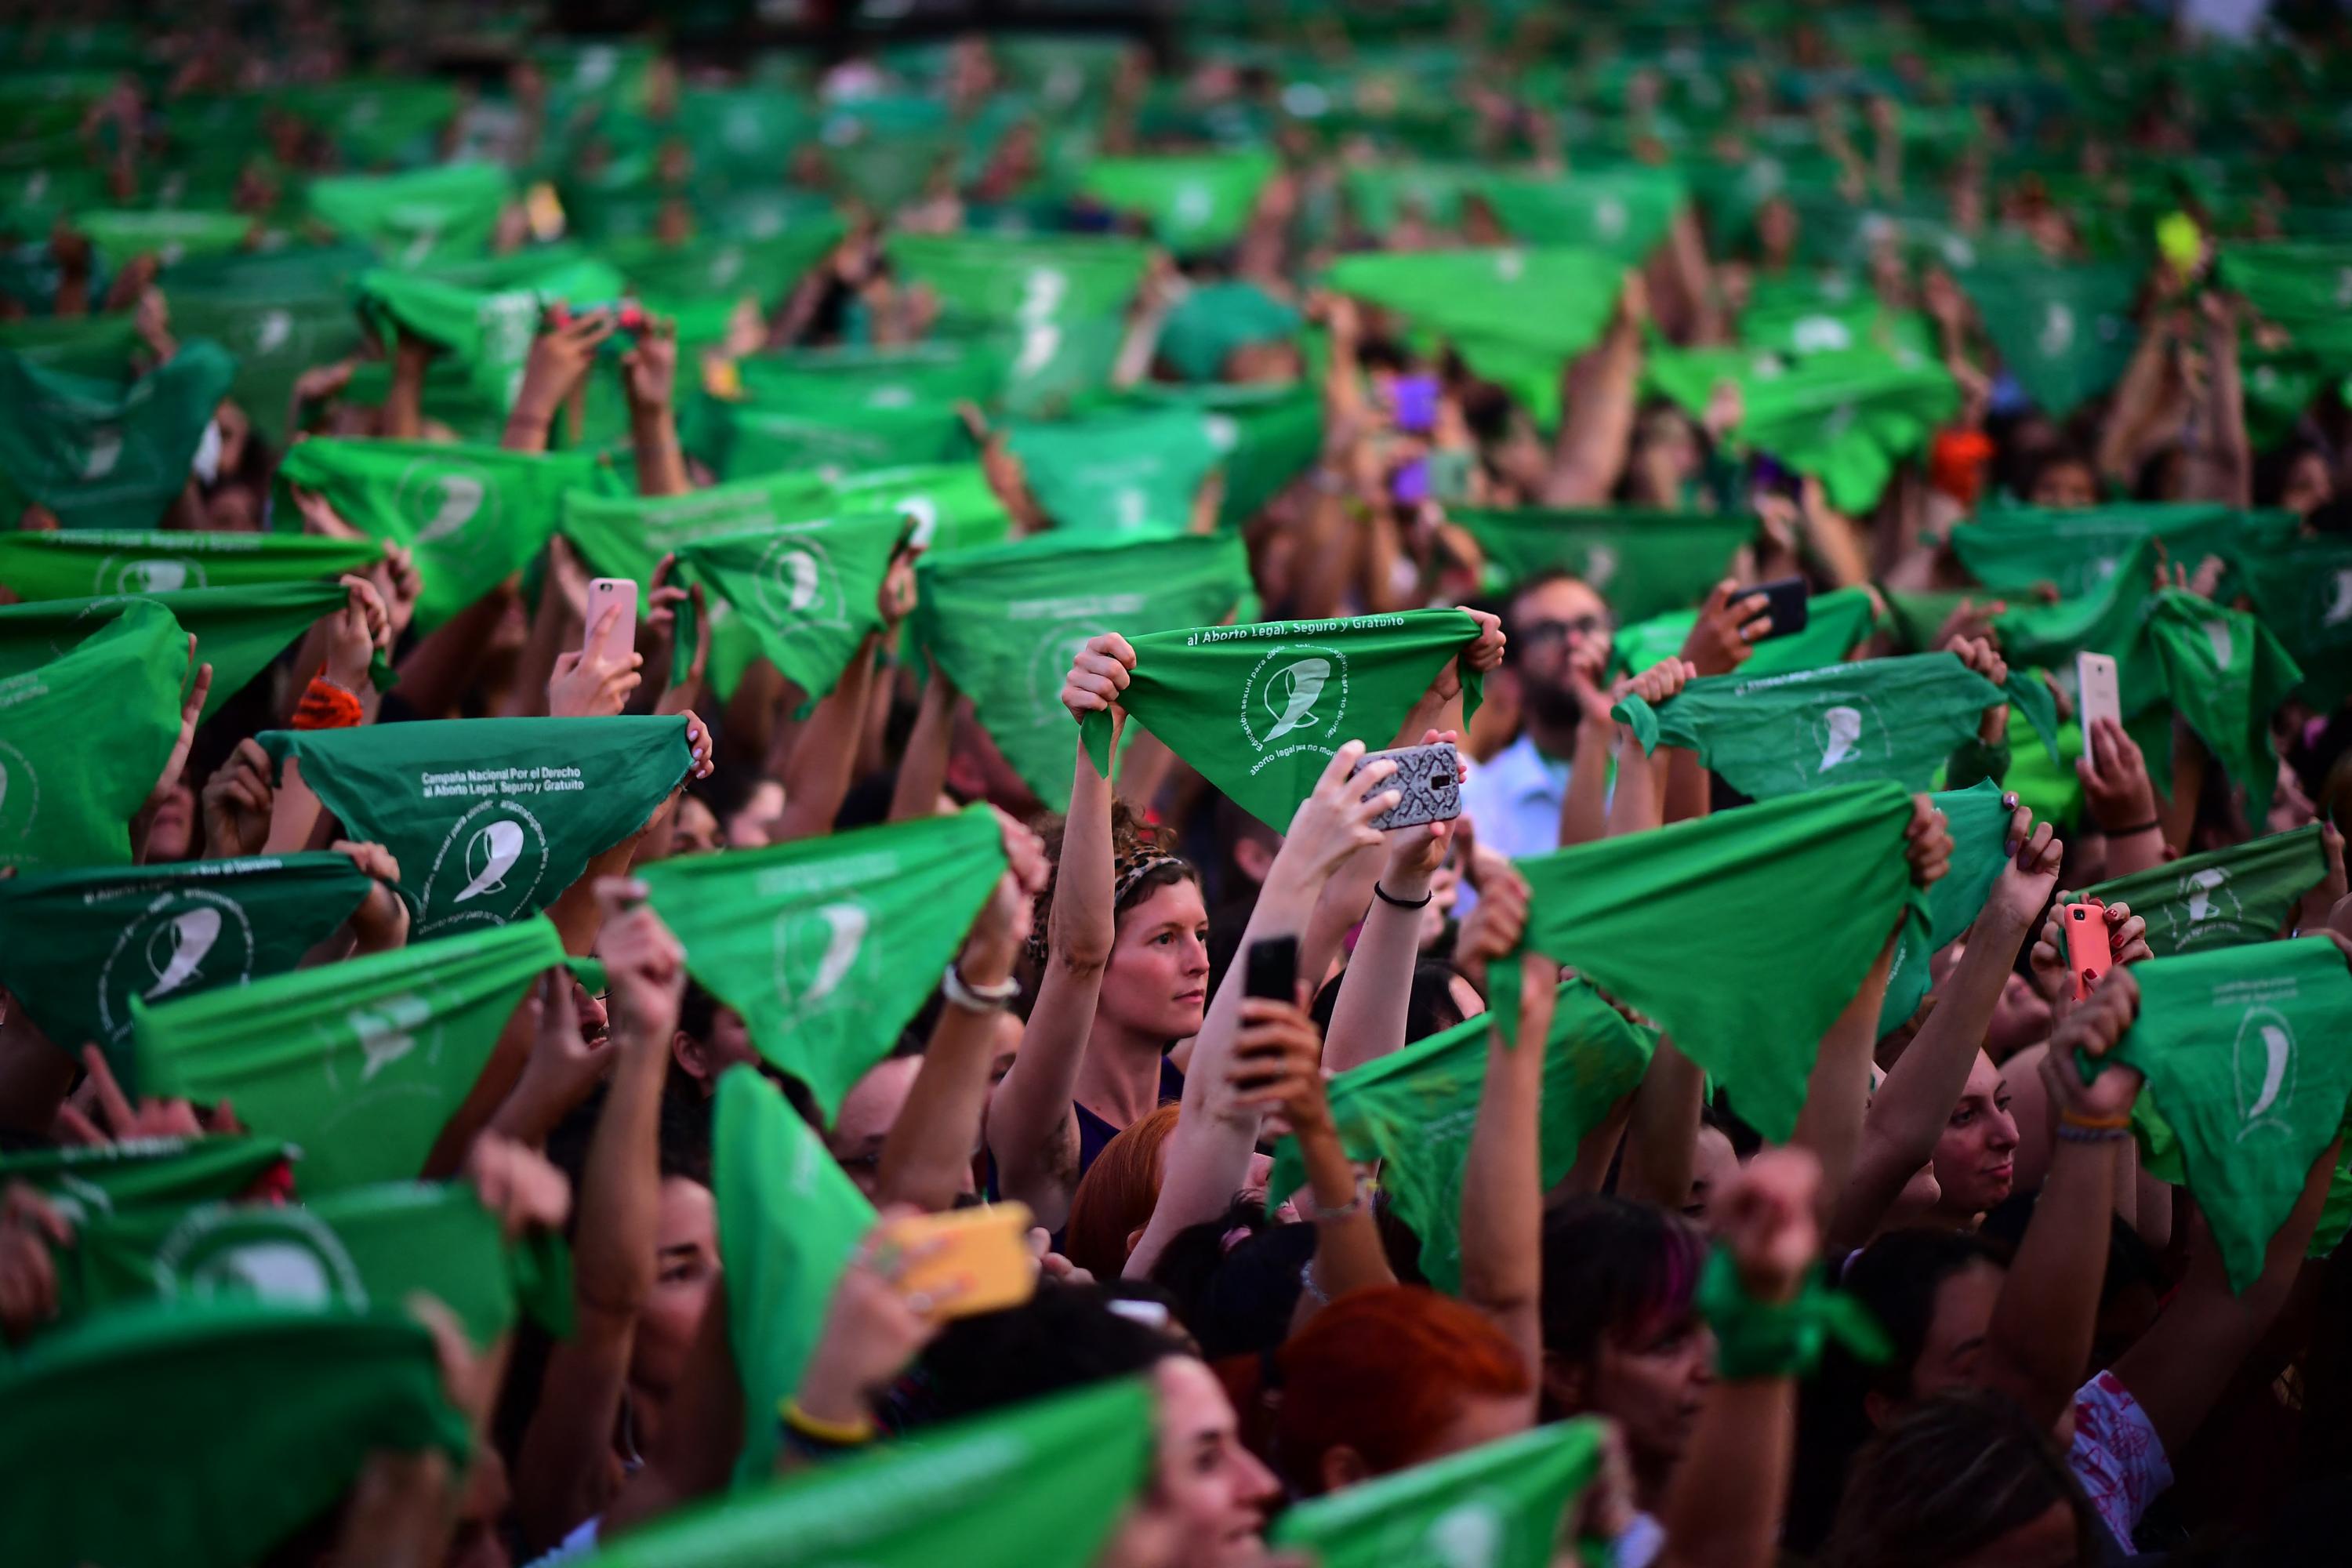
(2102, 695)
(1272, 969)
(2088, 955)
(1415, 400)
(621, 641)
(984, 1257)
(1785, 601)
(1449, 476)
(1428, 781)
(1409, 485)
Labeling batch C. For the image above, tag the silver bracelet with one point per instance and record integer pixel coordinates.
(1357, 1203)
(1306, 1283)
(977, 998)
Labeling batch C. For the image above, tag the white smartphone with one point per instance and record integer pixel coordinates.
(621, 641)
(2094, 674)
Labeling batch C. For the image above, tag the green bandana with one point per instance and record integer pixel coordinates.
(1978, 823)
(166, 1172)
(1845, 416)
(2242, 1052)
(369, 1245)
(99, 455)
(238, 631)
(1505, 1504)
(1005, 622)
(2299, 288)
(2225, 898)
(170, 236)
(362, 1062)
(2016, 549)
(808, 591)
(1214, 320)
(340, 1386)
(280, 312)
(2302, 591)
(2064, 333)
(699, 271)
(1413, 1111)
(952, 503)
(1845, 723)
(838, 410)
(490, 819)
(1621, 213)
(472, 516)
(84, 738)
(1026, 282)
(1836, 624)
(1194, 205)
(827, 946)
(99, 561)
(1119, 470)
(1515, 315)
(1801, 894)
(483, 318)
(1259, 709)
(2226, 674)
(1267, 435)
(1803, 323)
(411, 219)
(788, 1220)
(975, 1493)
(1644, 563)
(80, 944)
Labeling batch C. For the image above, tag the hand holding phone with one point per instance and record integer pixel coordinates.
(1428, 781)
(1272, 969)
(2102, 692)
(2088, 955)
(966, 1261)
(611, 633)
(1786, 602)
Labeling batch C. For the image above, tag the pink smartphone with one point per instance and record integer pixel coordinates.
(621, 641)
(2088, 955)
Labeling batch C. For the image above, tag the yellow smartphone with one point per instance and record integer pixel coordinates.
(982, 1264)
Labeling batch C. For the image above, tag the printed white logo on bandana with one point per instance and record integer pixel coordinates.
(382, 1034)
(726, 266)
(2339, 600)
(148, 575)
(271, 332)
(1848, 732)
(815, 951)
(2264, 1063)
(1055, 652)
(2057, 334)
(486, 869)
(1298, 693)
(1470, 1534)
(2204, 911)
(185, 940)
(1820, 334)
(2216, 632)
(1194, 205)
(1600, 565)
(105, 451)
(284, 1254)
(796, 584)
(20, 797)
(1609, 216)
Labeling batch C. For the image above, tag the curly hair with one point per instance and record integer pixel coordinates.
(1143, 861)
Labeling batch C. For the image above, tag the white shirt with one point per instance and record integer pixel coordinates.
(1515, 798)
(2116, 1454)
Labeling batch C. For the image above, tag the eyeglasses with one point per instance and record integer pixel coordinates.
(1540, 634)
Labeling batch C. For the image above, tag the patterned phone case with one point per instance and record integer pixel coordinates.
(1428, 778)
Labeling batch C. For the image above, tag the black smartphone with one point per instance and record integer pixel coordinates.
(1272, 969)
(1784, 601)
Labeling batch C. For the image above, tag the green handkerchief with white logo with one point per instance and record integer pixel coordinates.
(471, 515)
(83, 738)
(1845, 723)
(827, 946)
(1644, 563)
(1259, 709)
(168, 1173)
(808, 589)
(238, 631)
(1005, 622)
(1505, 1504)
(490, 819)
(2224, 898)
(2243, 1050)
(100, 453)
(77, 946)
(362, 1062)
(96, 563)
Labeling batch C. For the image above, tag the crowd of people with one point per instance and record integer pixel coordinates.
(1485, 784)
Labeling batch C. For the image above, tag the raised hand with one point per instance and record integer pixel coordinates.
(381, 922)
(595, 684)
(645, 967)
(356, 632)
(1099, 675)
(2094, 1028)
(1768, 1224)
(2116, 784)
(192, 707)
(1658, 682)
(2126, 944)
(1927, 842)
(895, 601)
(236, 802)
(1728, 626)
(1415, 853)
(1003, 927)
(518, 1184)
(1335, 820)
(29, 1226)
(1980, 656)
(1481, 654)
(649, 370)
(1278, 1067)
(559, 359)
(120, 1121)
(2024, 887)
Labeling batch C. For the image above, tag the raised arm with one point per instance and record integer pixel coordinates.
(1596, 426)
(1208, 1152)
(1639, 805)
(2039, 1344)
(649, 376)
(818, 773)
(564, 1471)
(923, 768)
(558, 359)
(1032, 1131)
(1367, 1018)
(1908, 1114)
(1502, 1182)
(2121, 799)
(1831, 1123)
(927, 1156)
